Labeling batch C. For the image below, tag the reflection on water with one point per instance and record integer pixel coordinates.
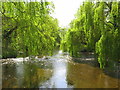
(89, 77)
(24, 75)
(55, 72)
(58, 80)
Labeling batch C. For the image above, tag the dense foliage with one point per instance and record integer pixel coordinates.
(96, 28)
(28, 28)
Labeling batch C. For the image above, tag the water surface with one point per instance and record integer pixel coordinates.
(57, 71)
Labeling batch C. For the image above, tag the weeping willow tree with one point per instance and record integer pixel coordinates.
(29, 28)
(108, 47)
(96, 28)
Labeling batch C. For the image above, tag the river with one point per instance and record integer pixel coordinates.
(57, 71)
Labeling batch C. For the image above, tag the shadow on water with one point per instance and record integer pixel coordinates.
(85, 76)
(57, 71)
(112, 70)
(24, 75)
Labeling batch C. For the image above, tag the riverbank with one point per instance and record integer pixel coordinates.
(112, 70)
(57, 71)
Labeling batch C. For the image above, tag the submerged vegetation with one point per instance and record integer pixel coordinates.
(96, 28)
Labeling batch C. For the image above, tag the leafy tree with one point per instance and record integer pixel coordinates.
(29, 28)
(96, 28)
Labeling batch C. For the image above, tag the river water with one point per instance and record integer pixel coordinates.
(57, 71)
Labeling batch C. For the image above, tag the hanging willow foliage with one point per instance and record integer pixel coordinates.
(96, 28)
(29, 28)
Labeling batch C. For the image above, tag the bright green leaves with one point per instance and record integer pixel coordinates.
(96, 28)
(107, 47)
(73, 42)
(114, 10)
(31, 30)
(103, 49)
(89, 26)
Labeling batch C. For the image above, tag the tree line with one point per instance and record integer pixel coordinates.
(28, 29)
(96, 28)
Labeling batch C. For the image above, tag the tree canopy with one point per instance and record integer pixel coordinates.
(29, 28)
(96, 28)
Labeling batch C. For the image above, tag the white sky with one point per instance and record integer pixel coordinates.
(65, 10)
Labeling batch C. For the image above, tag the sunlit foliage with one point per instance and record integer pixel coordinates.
(28, 27)
(96, 28)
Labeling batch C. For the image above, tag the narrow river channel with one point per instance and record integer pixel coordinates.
(58, 80)
(57, 71)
